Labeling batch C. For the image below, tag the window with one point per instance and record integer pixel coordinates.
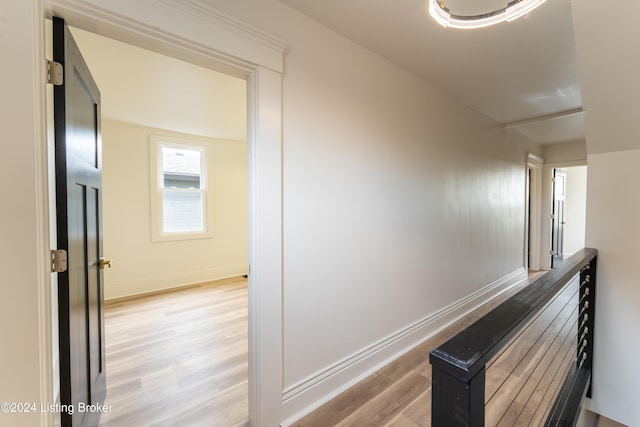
(179, 171)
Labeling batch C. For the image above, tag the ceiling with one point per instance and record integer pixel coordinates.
(522, 73)
(195, 100)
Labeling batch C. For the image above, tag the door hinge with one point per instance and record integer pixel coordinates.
(552, 216)
(58, 261)
(551, 252)
(54, 73)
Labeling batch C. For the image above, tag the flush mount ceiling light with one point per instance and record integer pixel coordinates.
(511, 11)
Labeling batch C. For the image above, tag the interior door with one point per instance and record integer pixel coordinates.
(558, 218)
(78, 163)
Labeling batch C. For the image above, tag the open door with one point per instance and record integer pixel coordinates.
(558, 217)
(78, 164)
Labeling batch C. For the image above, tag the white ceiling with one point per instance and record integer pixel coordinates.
(515, 72)
(158, 91)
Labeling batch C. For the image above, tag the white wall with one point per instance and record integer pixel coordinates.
(613, 209)
(141, 265)
(398, 202)
(22, 186)
(609, 48)
(568, 151)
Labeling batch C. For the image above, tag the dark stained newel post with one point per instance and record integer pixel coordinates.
(457, 402)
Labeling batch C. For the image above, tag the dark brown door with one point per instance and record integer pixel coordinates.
(558, 218)
(78, 166)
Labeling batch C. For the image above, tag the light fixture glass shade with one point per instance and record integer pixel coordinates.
(513, 10)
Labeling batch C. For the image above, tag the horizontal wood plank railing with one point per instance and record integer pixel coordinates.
(459, 365)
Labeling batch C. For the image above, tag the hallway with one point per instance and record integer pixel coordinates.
(521, 385)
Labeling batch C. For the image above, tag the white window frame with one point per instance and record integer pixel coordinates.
(157, 142)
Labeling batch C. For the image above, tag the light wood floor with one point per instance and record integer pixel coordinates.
(521, 382)
(178, 358)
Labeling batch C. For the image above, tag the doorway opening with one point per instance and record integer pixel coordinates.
(206, 37)
(568, 216)
(128, 168)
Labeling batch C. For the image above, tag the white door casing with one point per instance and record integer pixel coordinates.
(532, 248)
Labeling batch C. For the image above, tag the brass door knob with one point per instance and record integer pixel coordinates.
(104, 263)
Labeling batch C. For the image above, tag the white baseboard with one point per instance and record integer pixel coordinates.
(309, 394)
(153, 284)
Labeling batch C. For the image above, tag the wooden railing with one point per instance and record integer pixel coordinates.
(459, 365)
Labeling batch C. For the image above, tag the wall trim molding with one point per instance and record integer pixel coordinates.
(213, 282)
(236, 50)
(534, 160)
(147, 285)
(312, 392)
(216, 17)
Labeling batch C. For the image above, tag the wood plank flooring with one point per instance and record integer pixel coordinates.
(522, 380)
(178, 358)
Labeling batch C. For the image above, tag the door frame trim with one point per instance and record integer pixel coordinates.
(243, 51)
(533, 202)
(547, 201)
(43, 219)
